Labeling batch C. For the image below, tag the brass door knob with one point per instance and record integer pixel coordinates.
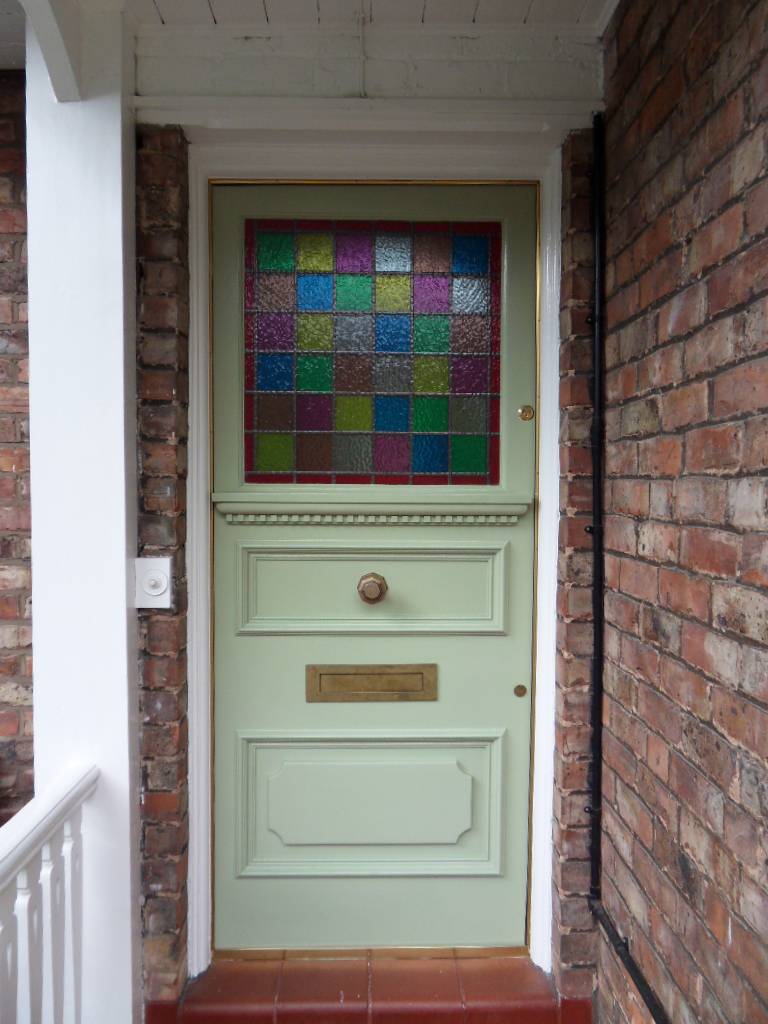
(526, 413)
(372, 588)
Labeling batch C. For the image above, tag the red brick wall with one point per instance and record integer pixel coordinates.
(15, 594)
(686, 711)
(574, 936)
(163, 316)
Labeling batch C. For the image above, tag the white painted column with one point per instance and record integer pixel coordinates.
(82, 408)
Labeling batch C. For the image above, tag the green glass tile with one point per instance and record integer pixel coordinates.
(354, 412)
(469, 454)
(274, 453)
(315, 332)
(430, 374)
(354, 292)
(276, 251)
(314, 373)
(315, 252)
(393, 293)
(431, 333)
(430, 415)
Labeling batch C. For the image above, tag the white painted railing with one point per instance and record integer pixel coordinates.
(41, 906)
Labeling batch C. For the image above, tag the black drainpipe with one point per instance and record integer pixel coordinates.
(620, 945)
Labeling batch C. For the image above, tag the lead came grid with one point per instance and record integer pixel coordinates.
(372, 352)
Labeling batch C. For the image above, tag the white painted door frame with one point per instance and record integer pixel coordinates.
(420, 158)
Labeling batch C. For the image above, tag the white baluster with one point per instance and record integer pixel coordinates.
(8, 955)
(71, 856)
(24, 965)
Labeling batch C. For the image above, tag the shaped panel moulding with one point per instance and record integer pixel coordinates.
(374, 804)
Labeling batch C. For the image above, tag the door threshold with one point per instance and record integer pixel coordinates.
(372, 990)
(377, 953)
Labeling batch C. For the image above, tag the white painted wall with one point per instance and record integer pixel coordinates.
(82, 360)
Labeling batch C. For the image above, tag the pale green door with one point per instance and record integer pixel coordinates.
(372, 346)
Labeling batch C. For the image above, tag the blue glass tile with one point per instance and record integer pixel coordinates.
(430, 453)
(391, 413)
(470, 254)
(275, 372)
(393, 333)
(314, 291)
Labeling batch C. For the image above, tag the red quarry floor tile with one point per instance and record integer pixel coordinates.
(371, 987)
(323, 990)
(233, 991)
(406, 991)
(497, 991)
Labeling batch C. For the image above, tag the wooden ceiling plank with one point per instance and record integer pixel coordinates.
(185, 12)
(239, 12)
(501, 12)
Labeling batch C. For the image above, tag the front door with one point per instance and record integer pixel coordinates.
(373, 355)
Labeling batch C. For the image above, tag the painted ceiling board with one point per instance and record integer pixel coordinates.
(291, 12)
(501, 12)
(555, 12)
(449, 12)
(185, 12)
(145, 12)
(396, 12)
(239, 12)
(341, 12)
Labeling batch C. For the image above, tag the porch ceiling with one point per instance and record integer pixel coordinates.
(589, 16)
(11, 34)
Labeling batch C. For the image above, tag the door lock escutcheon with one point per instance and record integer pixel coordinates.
(372, 588)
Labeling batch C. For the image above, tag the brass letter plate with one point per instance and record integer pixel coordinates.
(342, 683)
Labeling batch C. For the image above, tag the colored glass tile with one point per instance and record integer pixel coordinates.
(393, 293)
(430, 453)
(431, 293)
(391, 453)
(354, 373)
(314, 332)
(430, 374)
(354, 254)
(275, 293)
(354, 412)
(275, 332)
(469, 375)
(275, 251)
(314, 291)
(371, 352)
(432, 254)
(314, 452)
(353, 333)
(470, 334)
(314, 412)
(274, 412)
(314, 373)
(393, 254)
(354, 293)
(431, 333)
(469, 414)
(430, 414)
(274, 453)
(315, 251)
(469, 454)
(274, 372)
(352, 453)
(392, 373)
(393, 333)
(391, 413)
(470, 295)
(470, 254)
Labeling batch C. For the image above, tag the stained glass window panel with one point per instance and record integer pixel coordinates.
(372, 352)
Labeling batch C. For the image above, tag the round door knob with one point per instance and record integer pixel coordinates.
(526, 413)
(372, 588)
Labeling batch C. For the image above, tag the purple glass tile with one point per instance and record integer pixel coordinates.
(391, 453)
(431, 294)
(354, 254)
(276, 332)
(314, 412)
(469, 375)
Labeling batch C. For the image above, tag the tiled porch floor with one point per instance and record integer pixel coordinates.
(372, 988)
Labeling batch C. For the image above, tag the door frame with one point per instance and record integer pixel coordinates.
(371, 162)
